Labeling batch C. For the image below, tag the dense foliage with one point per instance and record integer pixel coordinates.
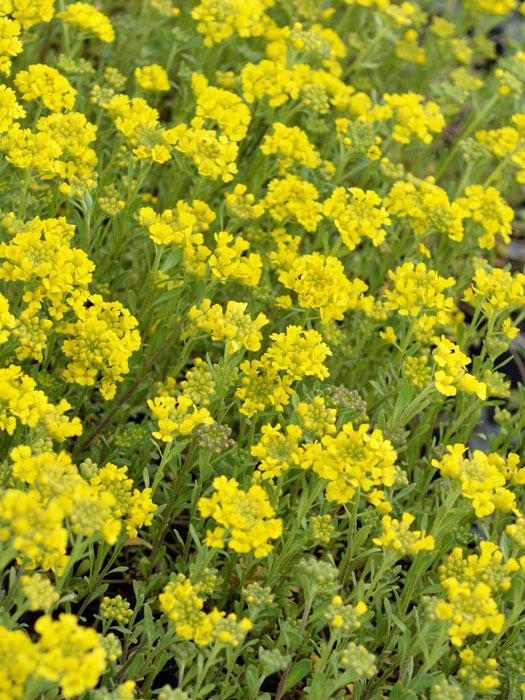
(260, 292)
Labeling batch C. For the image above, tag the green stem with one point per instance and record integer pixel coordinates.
(204, 670)
(409, 411)
(23, 199)
(304, 620)
(386, 563)
(350, 537)
(480, 115)
(162, 466)
(76, 550)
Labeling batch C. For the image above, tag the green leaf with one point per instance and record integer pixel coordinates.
(132, 301)
(403, 399)
(149, 625)
(318, 686)
(252, 676)
(298, 671)
(134, 667)
(291, 638)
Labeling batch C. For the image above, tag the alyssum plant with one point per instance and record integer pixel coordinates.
(259, 284)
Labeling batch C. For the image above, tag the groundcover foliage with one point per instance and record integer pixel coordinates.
(258, 297)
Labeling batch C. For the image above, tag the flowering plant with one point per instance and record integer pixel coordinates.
(261, 375)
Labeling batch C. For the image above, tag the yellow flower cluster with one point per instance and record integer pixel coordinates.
(516, 531)
(222, 108)
(40, 255)
(419, 292)
(65, 653)
(101, 504)
(483, 478)
(480, 673)
(22, 403)
(152, 77)
(356, 214)
(292, 198)
(412, 119)
(28, 12)
(317, 418)
(99, 344)
(58, 148)
(427, 207)
(269, 79)
(76, 161)
(219, 19)
(56, 277)
(116, 608)
(183, 227)
(321, 528)
(39, 591)
(488, 210)
(199, 384)
(232, 325)
(276, 451)
(507, 143)
(10, 46)
(180, 600)
(33, 528)
(417, 371)
(86, 17)
(177, 416)
(353, 459)
(298, 352)
(497, 289)
(396, 535)
(344, 617)
(228, 262)
(321, 170)
(69, 654)
(43, 82)
(262, 386)
(487, 566)
(452, 374)
(241, 204)
(213, 156)
(245, 518)
(470, 610)
(320, 283)
(140, 124)
(292, 146)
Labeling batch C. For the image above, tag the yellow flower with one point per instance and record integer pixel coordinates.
(483, 478)
(357, 213)
(321, 284)
(452, 374)
(85, 16)
(469, 609)
(70, 655)
(246, 516)
(275, 451)
(298, 352)
(397, 535)
(152, 77)
(499, 290)
(43, 82)
(412, 119)
(292, 146)
(175, 417)
(344, 617)
(233, 325)
(218, 19)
